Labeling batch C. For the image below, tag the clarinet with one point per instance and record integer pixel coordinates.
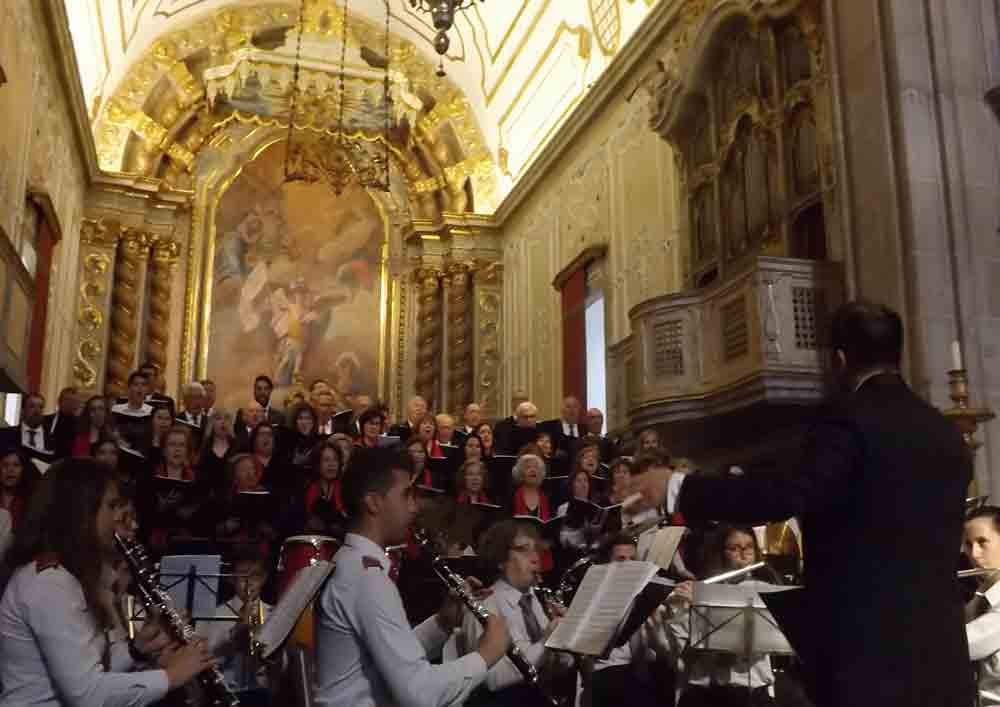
(153, 598)
(457, 585)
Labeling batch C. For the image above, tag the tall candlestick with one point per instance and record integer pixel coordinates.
(956, 356)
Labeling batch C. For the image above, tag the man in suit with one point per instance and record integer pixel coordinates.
(30, 435)
(595, 427)
(503, 429)
(208, 386)
(61, 425)
(154, 387)
(194, 405)
(880, 491)
(248, 418)
(472, 417)
(565, 432)
(415, 411)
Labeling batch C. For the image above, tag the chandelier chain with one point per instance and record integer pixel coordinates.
(295, 87)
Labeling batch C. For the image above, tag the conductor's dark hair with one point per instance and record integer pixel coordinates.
(991, 512)
(141, 373)
(869, 334)
(371, 470)
(497, 542)
(61, 520)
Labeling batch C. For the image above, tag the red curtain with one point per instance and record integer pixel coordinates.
(574, 294)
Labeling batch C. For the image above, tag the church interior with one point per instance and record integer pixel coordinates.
(650, 207)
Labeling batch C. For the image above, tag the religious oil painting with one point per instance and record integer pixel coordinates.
(296, 285)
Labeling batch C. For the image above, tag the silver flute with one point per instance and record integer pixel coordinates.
(734, 574)
(978, 572)
(482, 614)
(154, 599)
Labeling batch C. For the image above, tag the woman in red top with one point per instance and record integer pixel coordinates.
(17, 477)
(326, 459)
(471, 483)
(529, 499)
(485, 434)
(95, 423)
(371, 422)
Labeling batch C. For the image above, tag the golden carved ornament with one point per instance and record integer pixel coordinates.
(429, 334)
(93, 286)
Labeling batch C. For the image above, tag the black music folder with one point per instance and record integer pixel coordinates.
(253, 507)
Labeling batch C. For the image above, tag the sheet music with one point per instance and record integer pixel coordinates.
(599, 607)
(734, 619)
(664, 547)
(276, 629)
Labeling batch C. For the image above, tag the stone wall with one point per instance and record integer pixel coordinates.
(39, 152)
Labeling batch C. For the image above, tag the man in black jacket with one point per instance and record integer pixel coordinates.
(880, 492)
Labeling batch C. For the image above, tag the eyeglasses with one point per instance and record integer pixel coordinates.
(744, 549)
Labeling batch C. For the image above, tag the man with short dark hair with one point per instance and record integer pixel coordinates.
(366, 652)
(881, 494)
(30, 434)
(133, 418)
(154, 387)
(61, 425)
(595, 426)
(565, 432)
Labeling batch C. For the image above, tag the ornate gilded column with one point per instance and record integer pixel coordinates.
(488, 298)
(162, 267)
(459, 320)
(133, 250)
(429, 334)
(98, 242)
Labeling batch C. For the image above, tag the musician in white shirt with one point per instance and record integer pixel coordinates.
(366, 652)
(982, 546)
(54, 621)
(513, 547)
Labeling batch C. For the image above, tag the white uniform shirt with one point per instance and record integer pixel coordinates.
(505, 601)
(366, 653)
(51, 653)
(984, 647)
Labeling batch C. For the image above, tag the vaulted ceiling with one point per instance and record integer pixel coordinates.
(520, 67)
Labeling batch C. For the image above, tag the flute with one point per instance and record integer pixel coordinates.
(734, 574)
(482, 614)
(978, 572)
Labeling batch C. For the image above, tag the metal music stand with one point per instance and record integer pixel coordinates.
(733, 619)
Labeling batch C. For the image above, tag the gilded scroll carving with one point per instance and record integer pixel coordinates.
(488, 284)
(98, 241)
(430, 335)
(132, 251)
(459, 337)
(162, 266)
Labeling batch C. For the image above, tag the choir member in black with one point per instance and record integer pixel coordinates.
(546, 449)
(485, 433)
(588, 458)
(523, 432)
(159, 423)
(418, 453)
(620, 479)
(262, 389)
(472, 448)
(154, 387)
(351, 426)
(246, 422)
(472, 483)
(18, 477)
(325, 406)
(263, 447)
(649, 439)
(194, 406)
(372, 421)
(416, 409)
(171, 512)
(576, 534)
(345, 444)
(94, 424)
(595, 426)
(445, 432)
(61, 425)
(106, 453)
(472, 418)
(505, 427)
(566, 430)
(240, 522)
(209, 387)
(301, 436)
(324, 503)
(426, 432)
(217, 447)
(30, 434)
(132, 417)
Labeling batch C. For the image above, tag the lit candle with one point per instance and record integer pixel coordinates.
(956, 356)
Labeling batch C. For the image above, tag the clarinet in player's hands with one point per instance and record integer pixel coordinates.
(482, 614)
(154, 599)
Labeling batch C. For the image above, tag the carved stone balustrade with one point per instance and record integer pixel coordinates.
(756, 338)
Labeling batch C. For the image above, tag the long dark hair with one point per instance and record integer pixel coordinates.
(62, 519)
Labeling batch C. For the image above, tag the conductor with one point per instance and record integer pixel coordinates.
(880, 491)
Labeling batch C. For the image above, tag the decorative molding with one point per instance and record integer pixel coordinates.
(429, 334)
(488, 298)
(162, 266)
(98, 243)
(133, 250)
(459, 321)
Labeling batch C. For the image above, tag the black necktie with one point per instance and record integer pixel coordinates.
(530, 621)
(31, 437)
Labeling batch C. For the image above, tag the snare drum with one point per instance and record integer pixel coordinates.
(297, 553)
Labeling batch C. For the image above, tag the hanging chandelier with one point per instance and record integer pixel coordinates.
(340, 158)
(442, 14)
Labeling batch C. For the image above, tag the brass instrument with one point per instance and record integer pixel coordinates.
(482, 614)
(154, 599)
